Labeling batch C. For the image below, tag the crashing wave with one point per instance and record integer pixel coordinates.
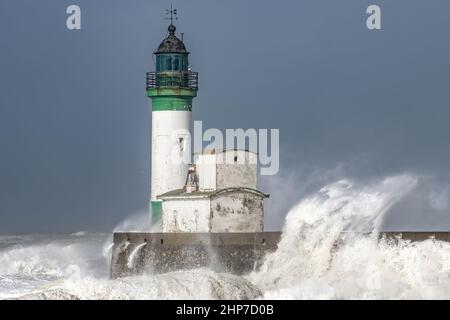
(329, 249)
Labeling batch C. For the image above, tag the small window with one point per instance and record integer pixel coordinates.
(169, 63)
(181, 143)
(235, 158)
(176, 64)
(184, 63)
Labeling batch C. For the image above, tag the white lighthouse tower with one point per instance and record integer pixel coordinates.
(171, 87)
(210, 213)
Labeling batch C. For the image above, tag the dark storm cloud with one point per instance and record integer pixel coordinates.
(75, 120)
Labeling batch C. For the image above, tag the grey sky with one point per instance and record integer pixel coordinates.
(75, 120)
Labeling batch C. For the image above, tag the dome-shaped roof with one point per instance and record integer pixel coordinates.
(171, 44)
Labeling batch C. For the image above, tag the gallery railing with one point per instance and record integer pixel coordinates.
(177, 79)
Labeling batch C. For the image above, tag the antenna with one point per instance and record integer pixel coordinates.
(172, 12)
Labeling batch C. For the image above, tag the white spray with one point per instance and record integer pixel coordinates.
(133, 255)
(329, 250)
(324, 253)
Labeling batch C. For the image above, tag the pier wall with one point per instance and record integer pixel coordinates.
(238, 253)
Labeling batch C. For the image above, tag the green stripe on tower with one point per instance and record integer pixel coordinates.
(166, 99)
(172, 104)
(156, 212)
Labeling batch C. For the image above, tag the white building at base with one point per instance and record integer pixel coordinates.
(220, 195)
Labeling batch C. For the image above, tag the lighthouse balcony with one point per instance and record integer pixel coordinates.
(172, 79)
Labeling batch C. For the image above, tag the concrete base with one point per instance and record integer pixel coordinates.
(238, 253)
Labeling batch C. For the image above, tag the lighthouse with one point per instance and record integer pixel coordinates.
(206, 206)
(171, 87)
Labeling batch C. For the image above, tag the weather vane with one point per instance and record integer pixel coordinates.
(173, 13)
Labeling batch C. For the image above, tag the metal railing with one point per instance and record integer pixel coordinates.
(177, 79)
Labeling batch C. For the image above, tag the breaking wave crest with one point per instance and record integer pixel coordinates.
(329, 250)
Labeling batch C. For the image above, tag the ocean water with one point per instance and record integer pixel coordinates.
(329, 250)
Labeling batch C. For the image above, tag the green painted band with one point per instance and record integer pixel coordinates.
(177, 92)
(156, 213)
(171, 103)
